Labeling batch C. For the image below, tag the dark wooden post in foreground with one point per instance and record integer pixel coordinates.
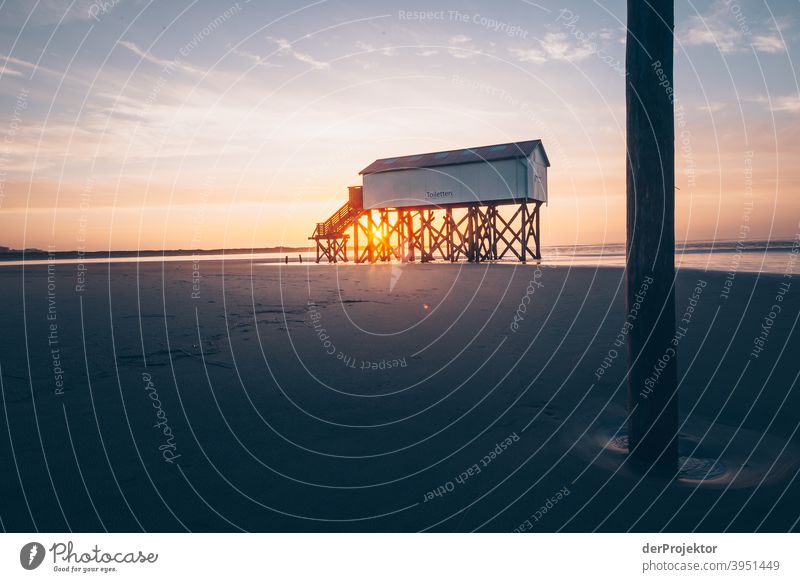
(652, 380)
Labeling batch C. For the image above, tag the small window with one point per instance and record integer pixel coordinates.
(441, 155)
(389, 162)
(498, 148)
(414, 158)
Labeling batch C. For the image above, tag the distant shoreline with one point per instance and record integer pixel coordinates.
(39, 254)
(598, 249)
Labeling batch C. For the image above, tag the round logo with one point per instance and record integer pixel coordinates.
(31, 555)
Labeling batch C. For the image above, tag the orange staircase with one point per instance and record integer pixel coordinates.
(330, 235)
(338, 222)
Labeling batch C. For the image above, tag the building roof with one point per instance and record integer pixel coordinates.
(503, 151)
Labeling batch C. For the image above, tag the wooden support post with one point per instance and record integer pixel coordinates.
(411, 236)
(523, 233)
(425, 222)
(385, 238)
(370, 237)
(470, 234)
(449, 231)
(426, 226)
(385, 235)
(650, 177)
(478, 232)
(418, 237)
(355, 240)
(493, 233)
(402, 241)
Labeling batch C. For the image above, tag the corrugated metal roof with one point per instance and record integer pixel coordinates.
(502, 151)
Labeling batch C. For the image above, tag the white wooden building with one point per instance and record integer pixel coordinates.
(495, 174)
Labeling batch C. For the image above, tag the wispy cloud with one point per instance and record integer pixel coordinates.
(254, 58)
(386, 51)
(709, 32)
(785, 103)
(48, 12)
(555, 46)
(11, 72)
(529, 55)
(286, 48)
(165, 63)
(460, 46)
(769, 44)
(559, 47)
(713, 106)
(6, 59)
(730, 31)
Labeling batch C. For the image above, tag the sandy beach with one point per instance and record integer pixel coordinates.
(233, 395)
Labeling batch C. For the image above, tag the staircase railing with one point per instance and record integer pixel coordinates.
(337, 222)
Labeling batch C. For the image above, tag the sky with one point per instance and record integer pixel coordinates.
(133, 124)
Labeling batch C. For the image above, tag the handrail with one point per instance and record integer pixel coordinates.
(339, 220)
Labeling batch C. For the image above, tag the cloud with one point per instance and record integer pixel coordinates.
(5, 60)
(531, 55)
(558, 47)
(607, 34)
(769, 44)
(165, 63)
(285, 47)
(713, 106)
(254, 58)
(386, 51)
(786, 103)
(47, 12)
(730, 32)
(707, 32)
(555, 46)
(460, 46)
(9, 71)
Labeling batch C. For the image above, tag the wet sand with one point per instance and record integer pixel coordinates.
(223, 396)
